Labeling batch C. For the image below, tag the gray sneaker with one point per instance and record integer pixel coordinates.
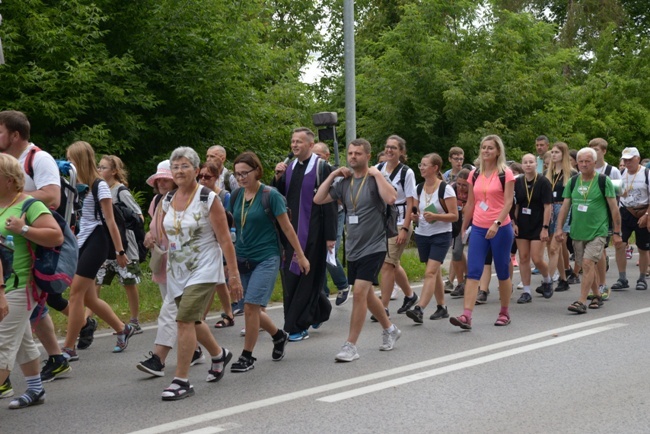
(389, 339)
(459, 290)
(448, 286)
(348, 353)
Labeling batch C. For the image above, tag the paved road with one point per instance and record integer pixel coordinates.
(549, 371)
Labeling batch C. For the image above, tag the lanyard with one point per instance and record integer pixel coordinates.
(487, 184)
(178, 220)
(530, 196)
(627, 180)
(355, 200)
(12, 202)
(584, 195)
(242, 218)
(556, 178)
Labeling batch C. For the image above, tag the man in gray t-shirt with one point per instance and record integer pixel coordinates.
(364, 192)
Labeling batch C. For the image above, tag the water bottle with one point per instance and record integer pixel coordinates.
(10, 241)
(233, 235)
(628, 252)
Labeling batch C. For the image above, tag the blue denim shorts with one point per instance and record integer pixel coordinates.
(259, 283)
(553, 222)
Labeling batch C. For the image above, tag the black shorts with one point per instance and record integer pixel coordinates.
(630, 224)
(366, 268)
(93, 253)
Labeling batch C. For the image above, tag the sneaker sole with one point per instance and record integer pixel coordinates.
(233, 369)
(435, 318)
(57, 375)
(7, 394)
(198, 361)
(414, 317)
(150, 371)
(341, 359)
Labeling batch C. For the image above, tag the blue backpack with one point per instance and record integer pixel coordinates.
(54, 267)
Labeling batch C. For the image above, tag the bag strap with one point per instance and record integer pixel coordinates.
(29, 161)
(441, 196)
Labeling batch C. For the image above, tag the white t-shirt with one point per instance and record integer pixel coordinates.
(436, 227)
(614, 174)
(194, 255)
(402, 194)
(88, 222)
(46, 172)
(635, 190)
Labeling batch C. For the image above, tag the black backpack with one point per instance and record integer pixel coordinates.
(119, 217)
(133, 223)
(391, 214)
(455, 226)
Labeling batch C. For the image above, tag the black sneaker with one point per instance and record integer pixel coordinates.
(243, 364)
(524, 298)
(481, 298)
(373, 319)
(415, 314)
(547, 289)
(198, 357)
(409, 302)
(213, 375)
(459, 290)
(562, 285)
(54, 368)
(279, 346)
(540, 289)
(440, 313)
(152, 366)
(573, 279)
(87, 334)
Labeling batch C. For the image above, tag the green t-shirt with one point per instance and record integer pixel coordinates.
(257, 241)
(22, 259)
(592, 221)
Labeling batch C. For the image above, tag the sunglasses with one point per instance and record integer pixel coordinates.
(205, 176)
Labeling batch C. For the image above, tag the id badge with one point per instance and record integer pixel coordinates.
(172, 247)
(526, 211)
(555, 194)
(353, 219)
(582, 208)
(483, 206)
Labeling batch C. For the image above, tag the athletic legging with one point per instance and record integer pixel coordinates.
(500, 246)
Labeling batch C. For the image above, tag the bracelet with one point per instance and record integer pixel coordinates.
(233, 277)
(404, 229)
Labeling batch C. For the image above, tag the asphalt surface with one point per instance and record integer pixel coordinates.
(548, 371)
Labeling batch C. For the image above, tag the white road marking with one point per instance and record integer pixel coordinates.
(279, 399)
(466, 364)
(215, 429)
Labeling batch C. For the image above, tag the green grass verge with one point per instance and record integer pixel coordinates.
(150, 299)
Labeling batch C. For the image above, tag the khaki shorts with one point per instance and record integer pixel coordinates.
(16, 342)
(591, 250)
(194, 301)
(395, 250)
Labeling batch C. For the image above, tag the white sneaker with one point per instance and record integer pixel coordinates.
(395, 292)
(348, 353)
(389, 339)
(521, 285)
(556, 276)
(242, 332)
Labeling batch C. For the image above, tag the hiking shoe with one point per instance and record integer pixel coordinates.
(27, 399)
(6, 390)
(178, 390)
(87, 334)
(215, 375)
(198, 357)
(152, 366)
(540, 289)
(481, 298)
(136, 327)
(415, 314)
(440, 313)
(459, 290)
(374, 319)
(243, 364)
(300, 336)
(342, 296)
(547, 290)
(621, 284)
(54, 367)
(348, 353)
(573, 279)
(461, 321)
(524, 298)
(389, 339)
(448, 286)
(123, 338)
(70, 354)
(605, 292)
(279, 347)
(562, 285)
(409, 302)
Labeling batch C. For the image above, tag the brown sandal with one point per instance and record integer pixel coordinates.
(225, 322)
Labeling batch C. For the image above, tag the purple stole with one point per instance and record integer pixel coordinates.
(306, 202)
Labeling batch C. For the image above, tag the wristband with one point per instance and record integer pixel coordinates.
(404, 229)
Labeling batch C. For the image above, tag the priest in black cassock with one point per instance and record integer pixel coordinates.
(305, 304)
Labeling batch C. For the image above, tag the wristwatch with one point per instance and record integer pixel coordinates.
(620, 234)
(497, 222)
(24, 230)
(404, 229)
(544, 226)
(120, 253)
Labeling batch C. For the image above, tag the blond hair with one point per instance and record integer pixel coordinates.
(566, 163)
(10, 168)
(501, 159)
(82, 155)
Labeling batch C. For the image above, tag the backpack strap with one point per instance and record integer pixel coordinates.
(441, 196)
(167, 200)
(98, 208)
(266, 204)
(402, 175)
(572, 184)
(419, 188)
(120, 189)
(29, 161)
(608, 169)
(156, 201)
(502, 178)
(28, 202)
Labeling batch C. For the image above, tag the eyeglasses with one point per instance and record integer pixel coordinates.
(422, 166)
(242, 175)
(458, 158)
(391, 148)
(102, 167)
(181, 167)
(205, 176)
